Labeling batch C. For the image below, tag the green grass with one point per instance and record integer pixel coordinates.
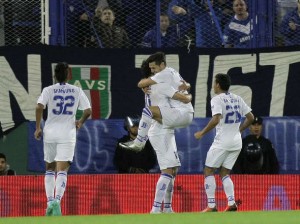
(274, 217)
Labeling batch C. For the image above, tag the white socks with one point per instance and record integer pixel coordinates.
(61, 183)
(229, 189)
(144, 126)
(168, 197)
(49, 184)
(58, 185)
(161, 188)
(210, 189)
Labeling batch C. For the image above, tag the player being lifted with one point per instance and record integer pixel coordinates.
(172, 109)
(177, 114)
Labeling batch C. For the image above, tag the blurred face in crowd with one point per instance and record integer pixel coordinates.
(2, 164)
(256, 129)
(164, 23)
(98, 12)
(239, 7)
(107, 17)
(133, 131)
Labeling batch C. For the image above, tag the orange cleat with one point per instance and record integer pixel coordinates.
(231, 208)
(208, 209)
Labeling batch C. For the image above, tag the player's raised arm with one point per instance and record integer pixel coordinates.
(146, 82)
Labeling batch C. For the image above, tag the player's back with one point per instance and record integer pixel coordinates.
(232, 108)
(168, 75)
(159, 95)
(62, 101)
(171, 76)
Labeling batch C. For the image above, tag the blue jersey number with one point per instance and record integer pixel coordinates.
(233, 116)
(61, 105)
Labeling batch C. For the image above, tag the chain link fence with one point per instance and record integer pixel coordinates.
(147, 23)
(134, 23)
(20, 22)
(287, 23)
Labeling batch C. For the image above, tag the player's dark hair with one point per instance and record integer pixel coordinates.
(223, 80)
(145, 70)
(158, 58)
(3, 156)
(61, 72)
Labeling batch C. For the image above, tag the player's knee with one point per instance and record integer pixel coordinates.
(147, 112)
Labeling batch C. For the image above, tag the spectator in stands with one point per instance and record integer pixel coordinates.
(4, 167)
(2, 42)
(169, 35)
(206, 22)
(116, 6)
(227, 11)
(140, 17)
(108, 34)
(238, 32)
(127, 161)
(290, 27)
(258, 155)
(86, 27)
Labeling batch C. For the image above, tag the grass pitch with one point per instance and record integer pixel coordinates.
(266, 217)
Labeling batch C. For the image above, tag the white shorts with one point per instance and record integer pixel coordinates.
(219, 157)
(166, 150)
(176, 117)
(59, 152)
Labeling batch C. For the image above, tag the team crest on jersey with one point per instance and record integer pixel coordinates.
(95, 81)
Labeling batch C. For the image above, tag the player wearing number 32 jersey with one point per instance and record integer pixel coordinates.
(59, 134)
(227, 112)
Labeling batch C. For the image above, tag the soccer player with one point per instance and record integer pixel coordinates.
(168, 104)
(179, 113)
(62, 100)
(227, 111)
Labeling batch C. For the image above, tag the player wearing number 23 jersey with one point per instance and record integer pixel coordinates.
(232, 108)
(227, 112)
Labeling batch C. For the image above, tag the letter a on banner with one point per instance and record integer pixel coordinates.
(277, 199)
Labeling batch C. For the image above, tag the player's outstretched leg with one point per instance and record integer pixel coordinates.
(139, 143)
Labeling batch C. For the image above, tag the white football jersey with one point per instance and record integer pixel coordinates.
(232, 108)
(171, 76)
(160, 96)
(62, 101)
